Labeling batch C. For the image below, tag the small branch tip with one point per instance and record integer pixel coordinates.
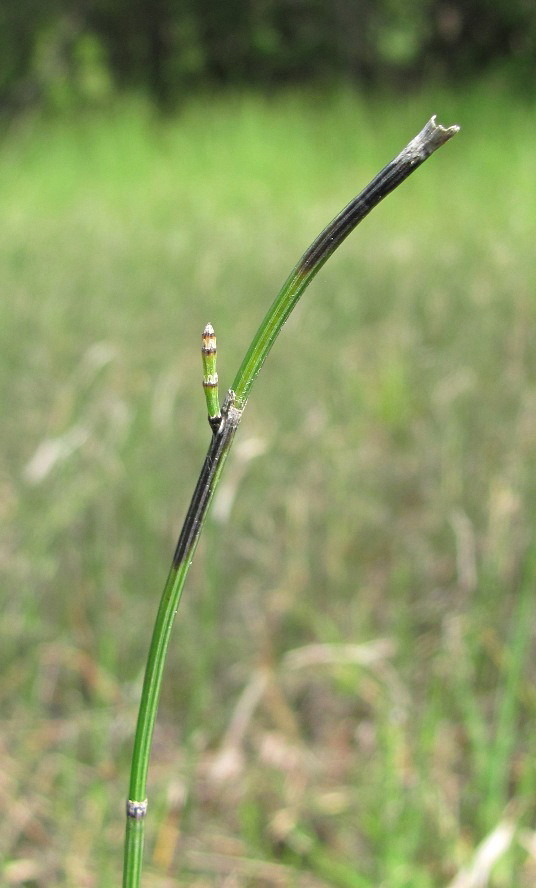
(210, 376)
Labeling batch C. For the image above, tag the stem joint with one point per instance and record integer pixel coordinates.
(136, 810)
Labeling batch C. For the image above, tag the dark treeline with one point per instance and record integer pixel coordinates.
(62, 52)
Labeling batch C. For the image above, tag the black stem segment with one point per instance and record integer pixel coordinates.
(431, 137)
(221, 441)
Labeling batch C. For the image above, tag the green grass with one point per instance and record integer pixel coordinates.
(408, 517)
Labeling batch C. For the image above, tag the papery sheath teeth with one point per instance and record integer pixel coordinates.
(210, 381)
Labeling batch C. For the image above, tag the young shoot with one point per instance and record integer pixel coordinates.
(209, 353)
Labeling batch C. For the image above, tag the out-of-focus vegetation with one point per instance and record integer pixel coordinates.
(394, 514)
(62, 53)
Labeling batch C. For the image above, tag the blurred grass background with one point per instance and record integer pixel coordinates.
(349, 699)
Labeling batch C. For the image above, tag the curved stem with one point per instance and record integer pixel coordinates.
(415, 153)
(431, 137)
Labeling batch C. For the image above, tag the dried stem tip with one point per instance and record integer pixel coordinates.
(431, 137)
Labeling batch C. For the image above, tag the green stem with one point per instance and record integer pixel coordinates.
(415, 153)
(169, 602)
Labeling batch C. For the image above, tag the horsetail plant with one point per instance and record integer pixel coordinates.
(224, 424)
